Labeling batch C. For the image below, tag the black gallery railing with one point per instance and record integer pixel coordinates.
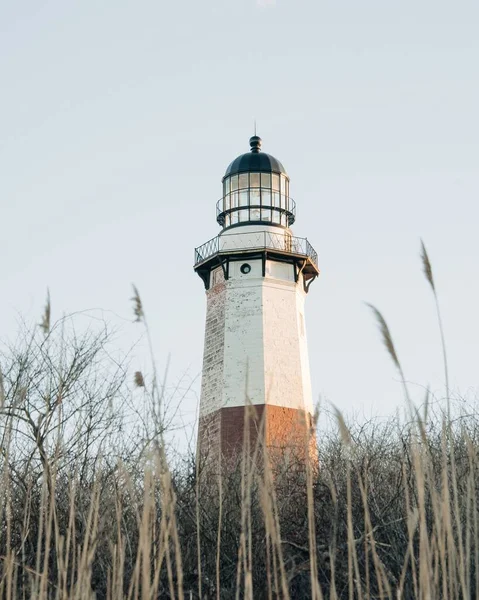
(272, 208)
(260, 240)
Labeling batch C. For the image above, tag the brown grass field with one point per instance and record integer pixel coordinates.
(94, 503)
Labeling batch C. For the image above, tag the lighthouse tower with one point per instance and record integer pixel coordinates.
(256, 275)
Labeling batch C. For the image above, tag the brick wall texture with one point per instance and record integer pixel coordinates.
(282, 430)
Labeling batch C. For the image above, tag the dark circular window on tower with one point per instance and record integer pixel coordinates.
(245, 269)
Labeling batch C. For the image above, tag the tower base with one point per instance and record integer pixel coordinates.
(286, 433)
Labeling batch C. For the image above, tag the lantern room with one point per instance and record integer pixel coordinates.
(255, 191)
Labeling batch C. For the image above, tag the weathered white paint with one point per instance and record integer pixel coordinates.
(213, 353)
(255, 343)
(286, 364)
(278, 270)
(248, 229)
(248, 237)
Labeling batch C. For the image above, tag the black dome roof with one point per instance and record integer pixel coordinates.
(255, 161)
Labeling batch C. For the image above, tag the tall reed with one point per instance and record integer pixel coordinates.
(89, 509)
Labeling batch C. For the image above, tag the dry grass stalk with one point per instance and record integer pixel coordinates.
(389, 344)
(433, 539)
(2, 391)
(76, 526)
(139, 380)
(427, 269)
(316, 593)
(46, 317)
(137, 304)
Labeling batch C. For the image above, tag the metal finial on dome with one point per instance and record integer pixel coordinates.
(255, 143)
(255, 161)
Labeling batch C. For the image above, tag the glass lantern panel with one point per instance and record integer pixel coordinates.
(243, 199)
(266, 214)
(255, 214)
(284, 185)
(227, 221)
(276, 216)
(276, 182)
(276, 199)
(234, 182)
(227, 186)
(266, 180)
(243, 181)
(254, 197)
(226, 202)
(265, 197)
(254, 180)
(234, 217)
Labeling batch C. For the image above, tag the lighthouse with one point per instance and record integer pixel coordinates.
(256, 274)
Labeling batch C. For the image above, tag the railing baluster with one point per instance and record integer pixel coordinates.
(264, 239)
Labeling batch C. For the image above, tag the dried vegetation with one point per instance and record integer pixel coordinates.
(91, 506)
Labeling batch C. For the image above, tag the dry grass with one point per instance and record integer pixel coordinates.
(90, 507)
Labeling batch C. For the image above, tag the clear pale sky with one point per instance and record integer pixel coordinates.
(119, 118)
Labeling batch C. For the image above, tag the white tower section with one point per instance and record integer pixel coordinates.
(256, 275)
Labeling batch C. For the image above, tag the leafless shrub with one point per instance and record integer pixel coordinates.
(90, 507)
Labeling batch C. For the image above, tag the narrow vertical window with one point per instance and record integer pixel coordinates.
(243, 181)
(255, 199)
(275, 182)
(255, 214)
(265, 197)
(254, 181)
(243, 198)
(266, 180)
